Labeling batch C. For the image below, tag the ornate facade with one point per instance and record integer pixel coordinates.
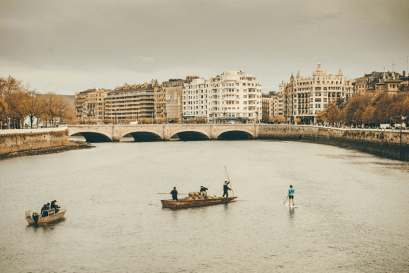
(304, 97)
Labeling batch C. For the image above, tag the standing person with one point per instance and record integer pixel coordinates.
(174, 194)
(226, 189)
(291, 195)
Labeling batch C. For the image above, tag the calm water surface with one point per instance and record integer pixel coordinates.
(352, 215)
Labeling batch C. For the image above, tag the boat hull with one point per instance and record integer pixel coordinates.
(195, 203)
(45, 220)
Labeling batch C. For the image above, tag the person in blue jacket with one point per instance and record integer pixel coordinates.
(291, 195)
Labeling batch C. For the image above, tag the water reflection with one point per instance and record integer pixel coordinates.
(291, 212)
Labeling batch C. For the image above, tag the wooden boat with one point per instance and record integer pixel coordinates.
(185, 203)
(52, 217)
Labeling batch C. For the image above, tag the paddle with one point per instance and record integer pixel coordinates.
(285, 200)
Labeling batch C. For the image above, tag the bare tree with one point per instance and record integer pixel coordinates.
(35, 106)
(57, 106)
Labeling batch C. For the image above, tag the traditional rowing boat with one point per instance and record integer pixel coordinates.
(185, 203)
(31, 218)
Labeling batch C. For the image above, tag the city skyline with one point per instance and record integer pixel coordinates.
(70, 47)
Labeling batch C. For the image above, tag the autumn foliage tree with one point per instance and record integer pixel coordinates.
(281, 119)
(272, 119)
(14, 95)
(369, 109)
(19, 102)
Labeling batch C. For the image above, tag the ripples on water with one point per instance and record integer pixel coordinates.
(352, 215)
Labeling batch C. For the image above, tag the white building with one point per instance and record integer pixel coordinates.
(305, 97)
(228, 96)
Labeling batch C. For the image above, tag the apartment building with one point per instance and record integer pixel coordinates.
(269, 105)
(90, 105)
(379, 81)
(305, 97)
(131, 102)
(228, 96)
(172, 91)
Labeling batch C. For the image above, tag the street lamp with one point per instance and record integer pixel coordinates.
(400, 142)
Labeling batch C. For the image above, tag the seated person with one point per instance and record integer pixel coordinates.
(44, 210)
(203, 189)
(55, 206)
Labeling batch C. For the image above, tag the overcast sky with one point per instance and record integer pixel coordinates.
(70, 46)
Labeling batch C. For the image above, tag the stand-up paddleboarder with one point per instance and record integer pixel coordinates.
(291, 195)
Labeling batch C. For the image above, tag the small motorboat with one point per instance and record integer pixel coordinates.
(49, 216)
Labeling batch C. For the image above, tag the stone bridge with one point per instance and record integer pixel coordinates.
(157, 132)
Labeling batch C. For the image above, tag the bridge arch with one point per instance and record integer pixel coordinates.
(235, 134)
(191, 135)
(143, 136)
(93, 137)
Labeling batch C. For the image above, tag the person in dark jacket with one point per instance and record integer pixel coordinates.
(44, 210)
(55, 206)
(174, 194)
(203, 189)
(226, 189)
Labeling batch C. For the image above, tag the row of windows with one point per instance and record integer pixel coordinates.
(190, 92)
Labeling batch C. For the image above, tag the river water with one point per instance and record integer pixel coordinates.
(352, 215)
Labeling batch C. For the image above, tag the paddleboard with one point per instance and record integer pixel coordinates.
(291, 206)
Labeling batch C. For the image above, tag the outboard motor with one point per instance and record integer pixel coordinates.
(35, 217)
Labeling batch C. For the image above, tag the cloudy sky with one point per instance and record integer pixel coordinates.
(70, 46)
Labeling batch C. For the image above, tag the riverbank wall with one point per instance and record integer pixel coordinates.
(385, 143)
(15, 143)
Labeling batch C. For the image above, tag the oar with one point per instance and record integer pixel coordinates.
(229, 180)
(285, 200)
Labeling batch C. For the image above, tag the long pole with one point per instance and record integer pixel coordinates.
(211, 183)
(229, 180)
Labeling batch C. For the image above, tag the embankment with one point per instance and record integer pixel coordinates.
(14, 143)
(384, 143)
